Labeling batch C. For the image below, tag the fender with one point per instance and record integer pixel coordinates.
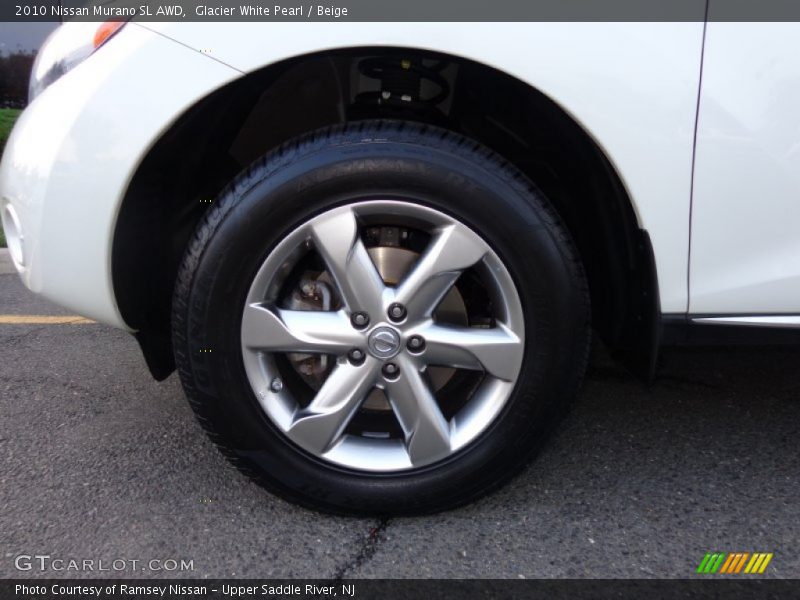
(632, 86)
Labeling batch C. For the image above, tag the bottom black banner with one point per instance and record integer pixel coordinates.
(429, 589)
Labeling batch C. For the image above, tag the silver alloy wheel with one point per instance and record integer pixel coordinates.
(270, 331)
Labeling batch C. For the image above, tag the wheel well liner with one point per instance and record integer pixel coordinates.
(219, 136)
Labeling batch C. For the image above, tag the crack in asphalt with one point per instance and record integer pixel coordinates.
(366, 550)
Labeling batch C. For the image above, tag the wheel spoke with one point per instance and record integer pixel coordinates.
(453, 249)
(497, 351)
(426, 430)
(276, 330)
(336, 237)
(320, 425)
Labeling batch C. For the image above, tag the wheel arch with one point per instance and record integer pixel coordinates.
(208, 145)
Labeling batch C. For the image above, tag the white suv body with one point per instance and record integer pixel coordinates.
(699, 123)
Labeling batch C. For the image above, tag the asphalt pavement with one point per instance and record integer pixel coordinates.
(99, 462)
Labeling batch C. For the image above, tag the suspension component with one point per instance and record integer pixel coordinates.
(402, 84)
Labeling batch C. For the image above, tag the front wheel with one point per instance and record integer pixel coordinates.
(381, 318)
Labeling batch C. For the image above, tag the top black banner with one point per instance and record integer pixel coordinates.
(402, 11)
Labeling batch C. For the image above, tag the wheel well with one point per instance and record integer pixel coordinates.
(218, 137)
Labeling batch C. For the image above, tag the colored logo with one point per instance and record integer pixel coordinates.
(734, 563)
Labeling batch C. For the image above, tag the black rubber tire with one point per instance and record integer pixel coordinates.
(366, 160)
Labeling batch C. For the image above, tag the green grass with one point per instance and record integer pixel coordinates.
(8, 117)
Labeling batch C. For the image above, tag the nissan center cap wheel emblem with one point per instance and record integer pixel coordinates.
(384, 342)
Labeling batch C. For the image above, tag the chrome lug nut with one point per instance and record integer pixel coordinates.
(359, 320)
(356, 356)
(416, 343)
(391, 371)
(397, 312)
